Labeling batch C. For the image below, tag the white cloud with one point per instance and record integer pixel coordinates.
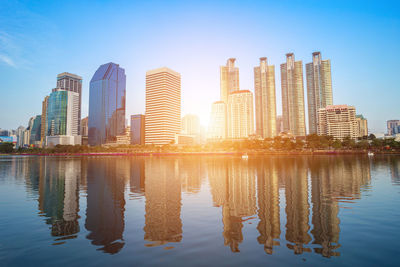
(7, 60)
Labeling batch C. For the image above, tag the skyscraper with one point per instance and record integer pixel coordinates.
(393, 127)
(293, 96)
(191, 124)
(137, 129)
(264, 87)
(62, 113)
(218, 122)
(240, 114)
(107, 104)
(72, 82)
(229, 79)
(362, 126)
(35, 128)
(163, 106)
(319, 88)
(43, 130)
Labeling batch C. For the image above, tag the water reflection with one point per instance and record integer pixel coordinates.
(294, 202)
(106, 203)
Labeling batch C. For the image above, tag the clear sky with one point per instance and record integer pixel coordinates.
(39, 39)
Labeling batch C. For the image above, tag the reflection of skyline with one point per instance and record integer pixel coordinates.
(236, 195)
(268, 205)
(163, 201)
(294, 175)
(311, 189)
(105, 204)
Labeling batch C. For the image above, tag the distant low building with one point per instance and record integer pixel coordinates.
(393, 127)
(185, 139)
(338, 121)
(137, 129)
(52, 141)
(362, 126)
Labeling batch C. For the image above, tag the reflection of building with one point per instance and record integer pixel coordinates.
(294, 173)
(137, 129)
(233, 186)
(59, 196)
(319, 88)
(163, 106)
(338, 121)
(163, 201)
(106, 104)
(240, 114)
(218, 124)
(394, 164)
(325, 209)
(293, 113)
(137, 176)
(191, 174)
(268, 205)
(264, 90)
(105, 204)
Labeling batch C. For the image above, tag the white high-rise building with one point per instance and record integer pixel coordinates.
(338, 121)
(240, 114)
(218, 124)
(163, 106)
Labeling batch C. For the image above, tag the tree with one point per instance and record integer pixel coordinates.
(6, 147)
(337, 144)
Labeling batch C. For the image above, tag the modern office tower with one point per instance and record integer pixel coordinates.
(35, 128)
(264, 94)
(62, 113)
(240, 114)
(137, 129)
(191, 124)
(217, 128)
(393, 127)
(293, 113)
(279, 124)
(84, 127)
(319, 88)
(338, 121)
(106, 104)
(72, 82)
(229, 79)
(163, 106)
(20, 136)
(43, 130)
(362, 126)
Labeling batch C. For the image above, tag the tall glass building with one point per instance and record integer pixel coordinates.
(62, 113)
(107, 104)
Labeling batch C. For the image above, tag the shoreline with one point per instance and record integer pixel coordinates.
(253, 153)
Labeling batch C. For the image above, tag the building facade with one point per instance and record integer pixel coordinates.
(106, 104)
(84, 127)
(191, 124)
(35, 128)
(240, 114)
(393, 127)
(338, 121)
(43, 130)
(319, 88)
(265, 101)
(293, 111)
(137, 129)
(62, 113)
(218, 122)
(362, 126)
(163, 106)
(72, 82)
(229, 79)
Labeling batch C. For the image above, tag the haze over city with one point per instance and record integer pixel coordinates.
(40, 40)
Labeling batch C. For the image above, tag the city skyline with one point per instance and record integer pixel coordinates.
(30, 72)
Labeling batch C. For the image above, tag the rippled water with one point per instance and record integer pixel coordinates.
(179, 211)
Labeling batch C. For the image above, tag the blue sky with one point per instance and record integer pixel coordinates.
(39, 39)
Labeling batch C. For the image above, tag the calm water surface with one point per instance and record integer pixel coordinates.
(217, 211)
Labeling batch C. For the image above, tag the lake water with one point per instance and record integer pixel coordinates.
(216, 211)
